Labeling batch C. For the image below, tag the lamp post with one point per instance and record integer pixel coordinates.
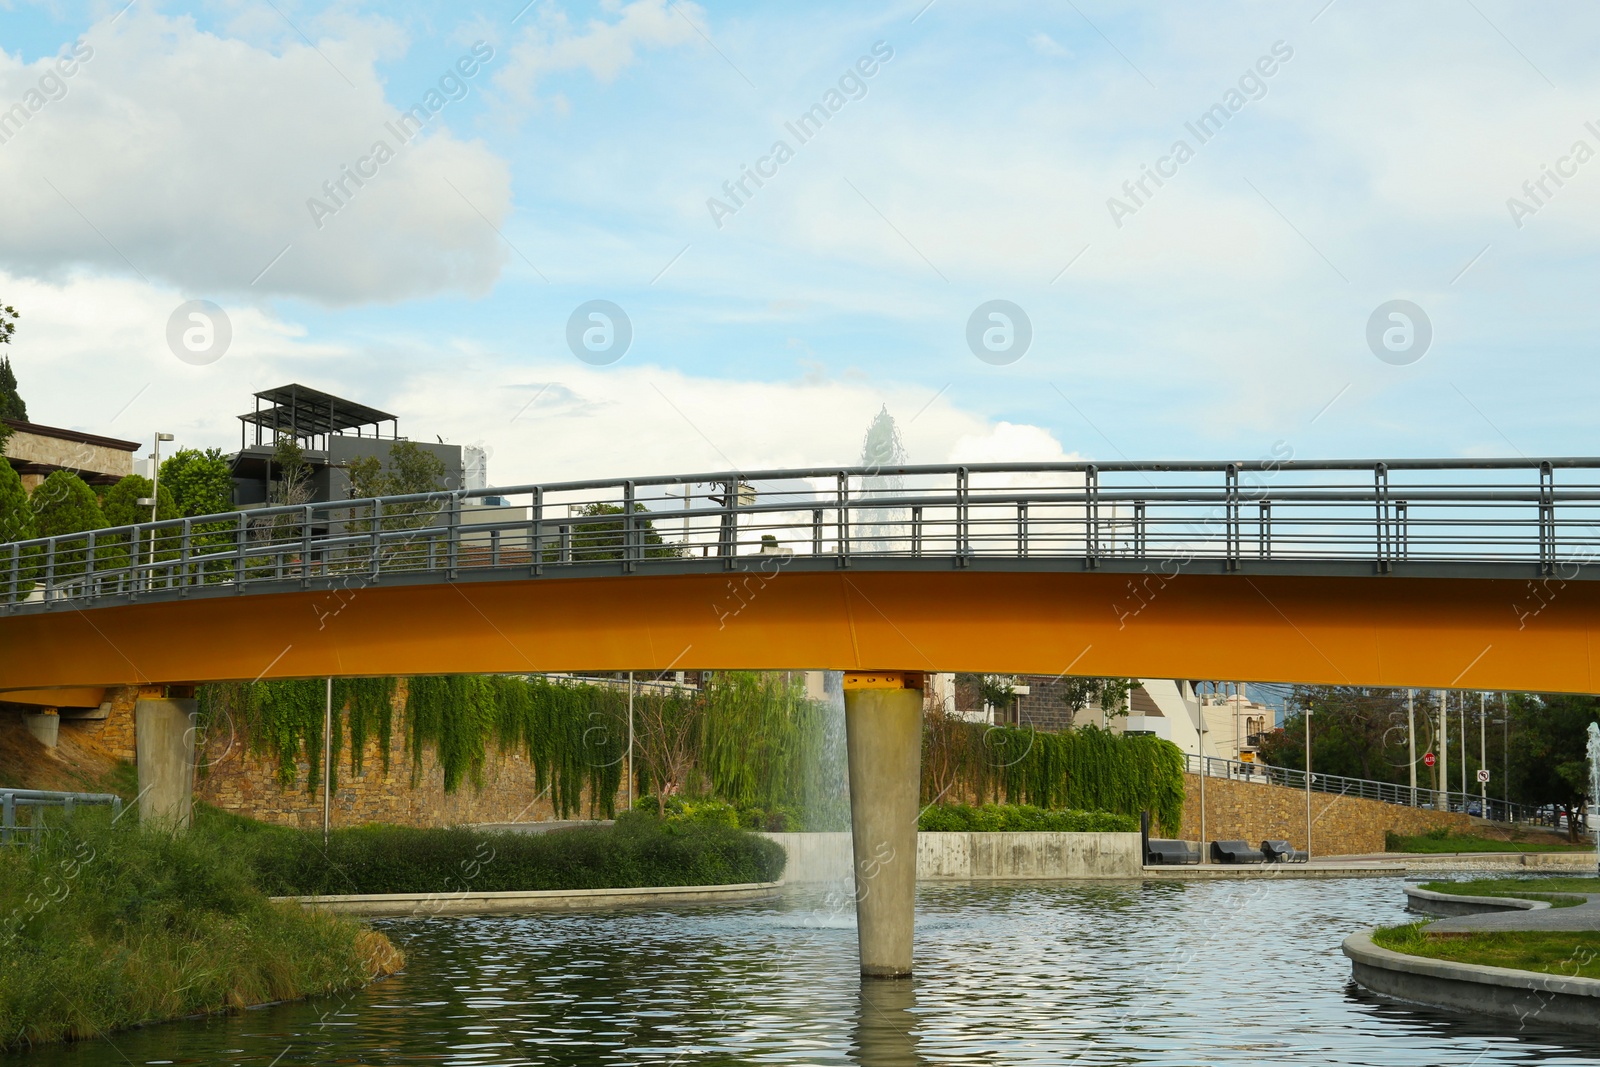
(1444, 750)
(155, 479)
(1411, 740)
(630, 742)
(1308, 781)
(1483, 752)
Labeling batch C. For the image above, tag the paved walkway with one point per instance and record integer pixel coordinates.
(1582, 917)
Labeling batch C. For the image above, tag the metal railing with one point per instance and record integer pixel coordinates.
(33, 803)
(1508, 517)
(1367, 789)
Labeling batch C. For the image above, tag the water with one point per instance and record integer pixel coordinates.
(1154, 973)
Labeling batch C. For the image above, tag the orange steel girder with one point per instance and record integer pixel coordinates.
(1425, 632)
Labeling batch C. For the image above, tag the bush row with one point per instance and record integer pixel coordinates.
(640, 850)
(1021, 818)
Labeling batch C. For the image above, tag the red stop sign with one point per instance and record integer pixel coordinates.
(1428, 759)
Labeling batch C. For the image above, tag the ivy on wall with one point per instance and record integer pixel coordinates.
(1087, 769)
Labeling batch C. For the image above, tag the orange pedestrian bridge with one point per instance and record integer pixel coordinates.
(1449, 573)
(1474, 574)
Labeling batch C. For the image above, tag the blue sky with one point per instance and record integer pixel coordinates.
(1223, 317)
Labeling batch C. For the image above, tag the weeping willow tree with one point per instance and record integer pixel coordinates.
(283, 721)
(573, 736)
(883, 453)
(761, 740)
(1088, 769)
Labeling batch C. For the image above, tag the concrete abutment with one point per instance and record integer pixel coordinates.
(164, 738)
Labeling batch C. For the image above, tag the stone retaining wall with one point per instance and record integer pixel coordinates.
(1340, 826)
(827, 857)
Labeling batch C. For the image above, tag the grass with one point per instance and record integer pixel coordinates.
(1569, 954)
(109, 926)
(1440, 840)
(1546, 889)
(1021, 818)
(640, 850)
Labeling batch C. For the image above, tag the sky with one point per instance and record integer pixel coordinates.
(1216, 231)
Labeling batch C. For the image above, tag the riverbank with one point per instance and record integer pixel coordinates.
(114, 926)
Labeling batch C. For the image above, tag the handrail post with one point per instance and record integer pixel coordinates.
(50, 570)
(630, 552)
(185, 551)
(1264, 530)
(1547, 519)
(375, 549)
(916, 530)
(963, 519)
(1091, 517)
(844, 520)
(453, 530)
(305, 549)
(1139, 538)
(816, 531)
(1380, 494)
(238, 553)
(1232, 522)
(536, 531)
(1022, 530)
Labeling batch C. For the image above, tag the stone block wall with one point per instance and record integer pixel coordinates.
(229, 777)
(1340, 826)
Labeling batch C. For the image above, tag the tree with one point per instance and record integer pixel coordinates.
(668, 729)
(1549, 751)
(11, 404)
(1356, 732)
(293, 484)
(1110, 693)
(121, 505)
(201, 482)
(64, 505)
(603, 539)
(16, 524)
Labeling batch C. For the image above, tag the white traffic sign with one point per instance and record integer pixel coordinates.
(1483, 775)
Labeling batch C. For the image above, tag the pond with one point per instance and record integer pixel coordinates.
(1217, 972)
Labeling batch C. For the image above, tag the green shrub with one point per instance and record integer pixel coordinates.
(639, 850)
(106, 926)
(1021, 818)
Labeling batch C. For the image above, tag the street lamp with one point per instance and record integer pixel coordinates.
(1308, 781)
(155, 476)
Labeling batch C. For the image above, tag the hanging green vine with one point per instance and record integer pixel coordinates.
(1088, 769)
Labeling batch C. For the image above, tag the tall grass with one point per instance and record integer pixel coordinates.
(108, 926)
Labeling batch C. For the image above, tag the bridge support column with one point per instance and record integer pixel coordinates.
(164, 745)
(883, 739)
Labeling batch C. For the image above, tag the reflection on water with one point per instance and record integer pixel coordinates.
(1153, 973)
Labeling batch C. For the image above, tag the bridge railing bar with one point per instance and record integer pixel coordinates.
(34, 802)
(1407, 511)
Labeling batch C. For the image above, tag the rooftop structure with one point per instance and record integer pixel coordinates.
(311, 417)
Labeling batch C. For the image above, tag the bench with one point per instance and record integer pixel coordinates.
(1278, 850)
(1235, 852)
(1169, 853)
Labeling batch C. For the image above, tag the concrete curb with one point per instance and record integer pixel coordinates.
(515, 902)
(1432, 902)
(1526, 996)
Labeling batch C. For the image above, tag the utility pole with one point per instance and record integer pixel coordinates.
(1308, 781)
(327, 763)
(1444, 750)
(1411, 740)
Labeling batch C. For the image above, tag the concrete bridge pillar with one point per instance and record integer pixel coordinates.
(45, 726)
(883, 741)
(164, 743)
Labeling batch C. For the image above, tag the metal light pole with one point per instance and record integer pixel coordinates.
(630, 741)
(1444, 745)
(155, 479)
(1308, 781)
(1411, 740)
(1483, 752)
(1200, 727)
(327, 762)
(1461, 705)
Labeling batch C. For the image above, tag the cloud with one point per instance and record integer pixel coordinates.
(551, 46)
(541, 419)
(189, 159)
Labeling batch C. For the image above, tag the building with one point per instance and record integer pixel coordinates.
(333, 432)
(35, 452)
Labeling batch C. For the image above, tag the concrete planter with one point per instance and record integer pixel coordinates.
(1526, 996)
(942, 856)
(1429, 902)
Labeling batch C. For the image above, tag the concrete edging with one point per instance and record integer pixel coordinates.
(1432, 902)
(517, 902)
(1465, 987)
(827, 856)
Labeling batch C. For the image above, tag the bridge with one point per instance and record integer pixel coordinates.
(1428, 573)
